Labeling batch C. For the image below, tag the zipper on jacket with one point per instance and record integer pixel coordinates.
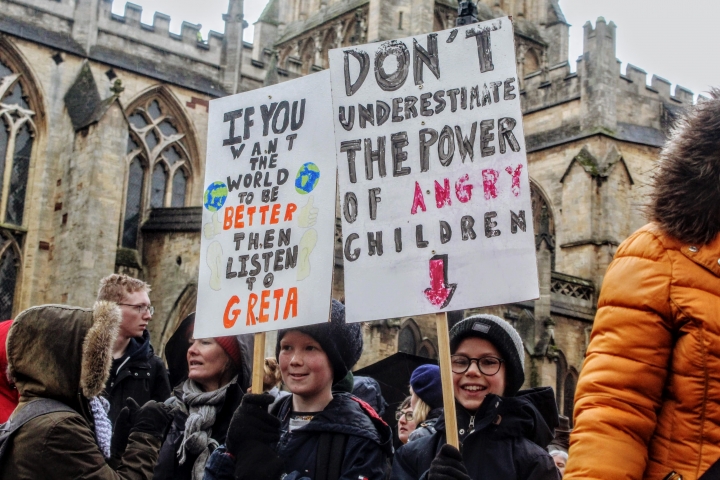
(471, 428)
(122, 365)
(673, 476)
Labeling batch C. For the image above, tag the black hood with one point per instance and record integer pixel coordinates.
(139, 348)
(530, 414)
(176, 351)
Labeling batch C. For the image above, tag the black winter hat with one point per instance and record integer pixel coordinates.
(504, 337)
(342, 342)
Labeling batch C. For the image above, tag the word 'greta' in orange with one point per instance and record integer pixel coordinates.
(235, 217)
(269, 305)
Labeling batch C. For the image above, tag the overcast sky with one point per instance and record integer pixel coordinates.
(677, 41)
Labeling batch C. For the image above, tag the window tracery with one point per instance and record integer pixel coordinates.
(158, 165)
(17, 136)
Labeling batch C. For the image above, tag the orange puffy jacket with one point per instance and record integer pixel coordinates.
(648, 398)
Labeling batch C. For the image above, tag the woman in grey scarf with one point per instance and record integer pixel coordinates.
(217, 371)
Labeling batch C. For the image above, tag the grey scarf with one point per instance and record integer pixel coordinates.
(202, 408)
(103, 427)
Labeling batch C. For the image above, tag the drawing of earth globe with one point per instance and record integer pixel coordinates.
(307, 178)
(215, 196)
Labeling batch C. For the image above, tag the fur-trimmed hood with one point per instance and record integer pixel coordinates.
(62, 352)
(686, 193)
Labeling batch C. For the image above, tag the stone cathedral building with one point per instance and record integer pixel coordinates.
(103, 135)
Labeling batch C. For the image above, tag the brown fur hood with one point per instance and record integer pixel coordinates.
(686, 193)
(60, 352)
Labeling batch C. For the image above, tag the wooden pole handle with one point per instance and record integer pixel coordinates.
(258, 371)
(451, 430)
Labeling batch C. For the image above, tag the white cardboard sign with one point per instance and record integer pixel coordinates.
(268, 210)
(432, 166)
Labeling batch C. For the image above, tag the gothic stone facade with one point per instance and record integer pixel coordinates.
(104, 131)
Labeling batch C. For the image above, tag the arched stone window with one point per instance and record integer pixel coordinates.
(543, 220)
(427, 349)
(182, 307)
(159, 167)
(569, 395)
(532, 62)
(406, 341)
(133, 203)
(9, 272)
(409, 337)
(17, 137)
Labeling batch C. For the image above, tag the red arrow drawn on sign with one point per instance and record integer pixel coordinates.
(440, 292)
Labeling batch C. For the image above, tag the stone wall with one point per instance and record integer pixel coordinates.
(77, 186)
(171, 261)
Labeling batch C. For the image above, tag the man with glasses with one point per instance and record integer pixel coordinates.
(136, 371)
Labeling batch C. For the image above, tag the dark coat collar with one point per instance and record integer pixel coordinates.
(344, 414)
(531, 414)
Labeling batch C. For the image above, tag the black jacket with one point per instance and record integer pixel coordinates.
(139, 374)
(426, 428)
(369, 440)
(507, 443)
(167, 467)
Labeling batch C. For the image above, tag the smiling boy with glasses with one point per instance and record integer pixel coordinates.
(136, 372)
(503, 431)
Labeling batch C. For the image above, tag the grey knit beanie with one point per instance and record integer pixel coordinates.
(504, 337)
(342, 342)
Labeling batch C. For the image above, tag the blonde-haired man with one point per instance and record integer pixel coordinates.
(136, 372)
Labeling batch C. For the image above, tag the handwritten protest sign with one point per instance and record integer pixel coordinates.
(268, 210)
(434, 188)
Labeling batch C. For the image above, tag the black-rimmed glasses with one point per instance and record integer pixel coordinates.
(487, 365)
(141, 309)
(408, 416)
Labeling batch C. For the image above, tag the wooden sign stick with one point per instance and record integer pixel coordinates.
(258, 371)
(451, 431)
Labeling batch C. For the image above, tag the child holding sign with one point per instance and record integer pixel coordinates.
(314, 433)
(503, 432)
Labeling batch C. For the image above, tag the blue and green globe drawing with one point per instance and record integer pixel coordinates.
(307, 178)
(215, 196)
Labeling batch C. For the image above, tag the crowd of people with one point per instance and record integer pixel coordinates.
(94, 401)
(87, 397)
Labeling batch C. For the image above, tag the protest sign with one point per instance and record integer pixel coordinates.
(266, 256)
(432, 169)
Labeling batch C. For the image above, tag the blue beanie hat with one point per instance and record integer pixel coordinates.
(425, 382)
